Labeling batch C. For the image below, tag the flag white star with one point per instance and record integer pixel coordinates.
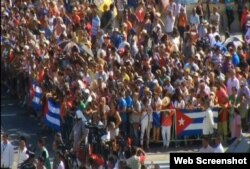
(181, 122)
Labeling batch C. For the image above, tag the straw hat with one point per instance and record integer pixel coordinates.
(165, 101)
(158, 89)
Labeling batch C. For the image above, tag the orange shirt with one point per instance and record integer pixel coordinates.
(76, 19)
(182, 21)
(140, 15)
(129, 26)
(167, 119)
(222, 97)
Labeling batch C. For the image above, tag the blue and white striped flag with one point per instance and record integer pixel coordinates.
(36, 100)
(52, 116)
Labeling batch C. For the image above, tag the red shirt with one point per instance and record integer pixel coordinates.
(167, 119)
(222, 97)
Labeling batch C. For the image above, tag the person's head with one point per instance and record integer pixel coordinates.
(41, 143)
(232, 73)
(205, 141)
(218, 139)
(58, 137)
(111, 7)
(59, 155)
(105, 7)
(215, 9)
(234, 91)
(133, 151)
(22, 142)
(41, 161)
(5, 138)
(194, 11)
(136, 96)
(182, 10)
(122, 164)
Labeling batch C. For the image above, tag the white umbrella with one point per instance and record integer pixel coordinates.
(234, 40)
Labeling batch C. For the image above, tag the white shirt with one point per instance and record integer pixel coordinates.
(22, 156)
(179, 105)
(208, 149)
(7, 155)
(169, 26)
(212, 39)
(208, 122)
(232, 83)
(219, 149)
(61, 165)
(170, 89)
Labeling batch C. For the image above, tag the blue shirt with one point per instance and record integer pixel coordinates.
(235, 59)
(129, 102)
(116, 40)
(122, 104)
(221, 46)
(96, 23)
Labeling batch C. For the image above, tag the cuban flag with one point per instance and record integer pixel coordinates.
(52, 116)
(189, 122)
(37, 96)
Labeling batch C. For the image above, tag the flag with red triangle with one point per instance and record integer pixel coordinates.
(190, 122)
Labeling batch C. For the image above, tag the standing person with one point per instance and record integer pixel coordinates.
(30, 162)
(122, 108)
(40, 163)
(222, 101)
(60, 159)
(22, 149)
(244, 97)
(146, 113)
(7, 152)
(234, 102)
(208, 121)
(166, 121)
(230, 13)
(156, 105)
(206, 148)
(169, 22)
(135, 118)
(79, 131)
(113, 117)
(44, 152)
(218, 148)
(96, 23)
(134, 162)
(241, 5)
(182, 22)
(237, 127)
(215, 18)
(121, 5)
(194, 19)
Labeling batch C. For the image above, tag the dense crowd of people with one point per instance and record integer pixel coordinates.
(125, 68)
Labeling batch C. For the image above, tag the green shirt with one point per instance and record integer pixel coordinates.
(229, 5)
(233, 101)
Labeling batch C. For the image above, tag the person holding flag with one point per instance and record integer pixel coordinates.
(166, 121)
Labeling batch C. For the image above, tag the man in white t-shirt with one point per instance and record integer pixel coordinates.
(232, 81)
(169, 22)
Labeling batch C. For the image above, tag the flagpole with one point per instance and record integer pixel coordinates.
(175, 136)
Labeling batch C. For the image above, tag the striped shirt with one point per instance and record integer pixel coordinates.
(95, 25)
